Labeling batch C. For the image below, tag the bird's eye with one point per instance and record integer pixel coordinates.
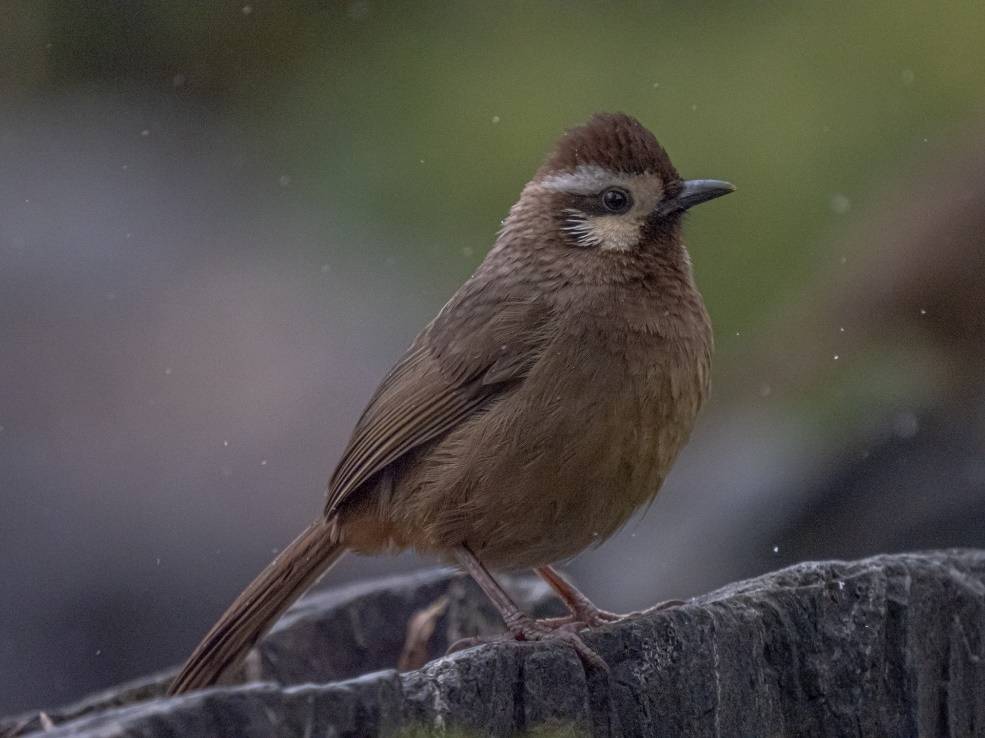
(616, 200)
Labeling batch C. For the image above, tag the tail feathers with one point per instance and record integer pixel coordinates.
(253, 613)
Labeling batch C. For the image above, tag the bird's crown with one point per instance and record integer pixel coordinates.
(615, 142)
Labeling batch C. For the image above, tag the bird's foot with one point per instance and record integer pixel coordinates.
(589, 616)
(525, 629)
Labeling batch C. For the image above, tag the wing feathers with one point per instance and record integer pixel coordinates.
(468, 355)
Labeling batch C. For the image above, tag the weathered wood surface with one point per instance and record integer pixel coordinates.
(887, 646)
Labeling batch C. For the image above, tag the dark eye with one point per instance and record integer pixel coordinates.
(616, 200)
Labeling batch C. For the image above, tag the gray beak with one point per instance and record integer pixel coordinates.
(694, 192)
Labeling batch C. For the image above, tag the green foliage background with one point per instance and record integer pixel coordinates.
(424, 119)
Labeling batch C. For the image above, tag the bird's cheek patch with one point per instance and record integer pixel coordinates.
(614, 232)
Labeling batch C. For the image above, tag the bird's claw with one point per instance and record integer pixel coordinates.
(533, 631)
(593, 617)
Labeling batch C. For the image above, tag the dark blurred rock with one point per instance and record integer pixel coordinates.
(903, 492)
(337, 634)
(888, 646)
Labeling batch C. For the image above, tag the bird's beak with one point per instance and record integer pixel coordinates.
(694, 192)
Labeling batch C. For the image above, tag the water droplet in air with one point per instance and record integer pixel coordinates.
(840, 204)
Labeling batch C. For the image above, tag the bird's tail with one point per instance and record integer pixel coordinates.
(285, 579)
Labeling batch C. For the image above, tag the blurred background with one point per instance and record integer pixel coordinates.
(221, 222)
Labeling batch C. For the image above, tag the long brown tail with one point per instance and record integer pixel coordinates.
(252, 613)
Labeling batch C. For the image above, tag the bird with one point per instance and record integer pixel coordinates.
(541, 407)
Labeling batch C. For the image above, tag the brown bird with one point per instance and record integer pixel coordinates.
(542, 406)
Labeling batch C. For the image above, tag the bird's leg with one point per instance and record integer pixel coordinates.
(583, 612)
(520, 625)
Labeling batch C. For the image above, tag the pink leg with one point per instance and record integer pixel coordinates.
(583, 611)
(521, 626)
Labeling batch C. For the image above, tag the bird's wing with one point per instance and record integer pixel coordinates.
(477, 348)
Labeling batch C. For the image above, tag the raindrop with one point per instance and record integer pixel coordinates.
(840, 204)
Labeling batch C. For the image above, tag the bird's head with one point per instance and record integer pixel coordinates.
(609, 186)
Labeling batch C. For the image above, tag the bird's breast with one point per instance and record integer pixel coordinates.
(560, 460)
(563, 461)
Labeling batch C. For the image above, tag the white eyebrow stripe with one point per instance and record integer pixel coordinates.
(586, 179)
